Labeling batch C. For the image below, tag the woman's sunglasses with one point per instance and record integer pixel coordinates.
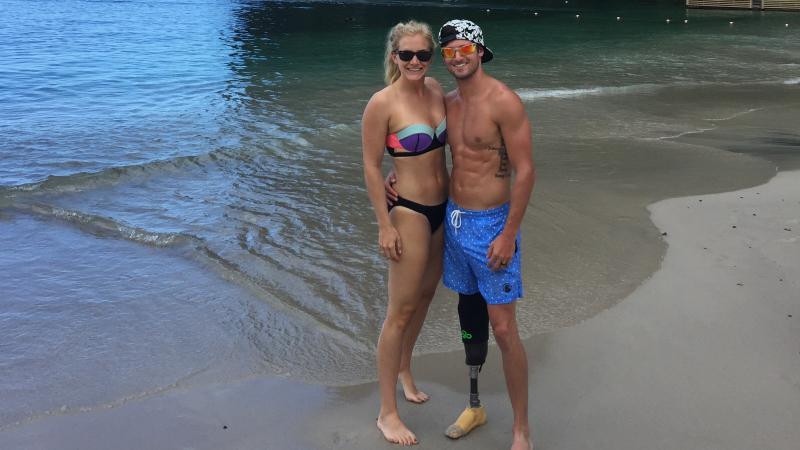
(450, 52)
(408, 55)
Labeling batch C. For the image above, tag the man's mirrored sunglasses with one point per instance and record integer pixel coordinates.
(450, 52)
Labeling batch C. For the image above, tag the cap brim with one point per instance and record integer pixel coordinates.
(443, 41)
(487, 55)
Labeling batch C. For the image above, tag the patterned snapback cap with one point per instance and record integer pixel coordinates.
(466, 30)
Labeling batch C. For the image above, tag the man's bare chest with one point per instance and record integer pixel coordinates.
(472, 128)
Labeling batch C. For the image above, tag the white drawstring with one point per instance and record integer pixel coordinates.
(455, 219)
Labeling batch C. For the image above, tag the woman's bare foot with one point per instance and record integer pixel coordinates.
(410, 390)
(522, 442)
(395, 431)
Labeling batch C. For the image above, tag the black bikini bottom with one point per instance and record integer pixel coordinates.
(434, 214)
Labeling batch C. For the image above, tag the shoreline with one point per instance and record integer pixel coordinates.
(591, 241)
(701, 355)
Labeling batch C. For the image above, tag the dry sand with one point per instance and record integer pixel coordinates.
(704, 355)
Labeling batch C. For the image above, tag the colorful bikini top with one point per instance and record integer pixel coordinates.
(416, 139)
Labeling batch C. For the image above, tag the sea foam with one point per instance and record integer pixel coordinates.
(527, 94)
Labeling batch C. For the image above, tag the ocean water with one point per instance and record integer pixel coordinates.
(181, 197)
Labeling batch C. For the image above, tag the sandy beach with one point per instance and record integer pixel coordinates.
(704, 354)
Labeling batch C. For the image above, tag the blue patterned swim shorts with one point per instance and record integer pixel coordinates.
(467, 236)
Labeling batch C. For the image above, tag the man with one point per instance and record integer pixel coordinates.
(490, 139)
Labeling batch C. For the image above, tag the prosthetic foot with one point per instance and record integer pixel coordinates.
(469, 419)
(474, 318)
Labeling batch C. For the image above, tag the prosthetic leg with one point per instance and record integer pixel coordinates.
(474, 318)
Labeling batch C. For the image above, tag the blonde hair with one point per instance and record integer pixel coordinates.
(401, 30)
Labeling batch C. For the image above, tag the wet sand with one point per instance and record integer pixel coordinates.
(704, 354)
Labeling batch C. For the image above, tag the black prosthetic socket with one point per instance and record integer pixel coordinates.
(474, 318)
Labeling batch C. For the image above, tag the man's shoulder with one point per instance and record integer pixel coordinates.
(499, 92)
(503, 102)
(451, 96)
(505, 105)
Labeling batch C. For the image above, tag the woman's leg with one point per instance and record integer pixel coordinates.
(405, 287)
(430, 281)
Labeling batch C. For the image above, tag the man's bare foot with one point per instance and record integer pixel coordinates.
(395, 431)
(522, 442)
(469, 419)
(410, 390)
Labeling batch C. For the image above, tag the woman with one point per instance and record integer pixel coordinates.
(407, 120)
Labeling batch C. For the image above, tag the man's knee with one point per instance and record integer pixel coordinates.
(474, 319)
(504, 325)
(505, 333)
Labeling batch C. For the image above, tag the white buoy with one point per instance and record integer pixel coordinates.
(488, 10)
(536, 14)
(787, 25)
(685, 20)
(730, 23)
(577, 16)
(619, 18)
(667, 20)
(566, 2)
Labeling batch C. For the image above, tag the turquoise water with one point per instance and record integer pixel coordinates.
(180, 182)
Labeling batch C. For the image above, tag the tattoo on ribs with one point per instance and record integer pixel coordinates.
(503, 171)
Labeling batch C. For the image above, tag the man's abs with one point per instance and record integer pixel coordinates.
(481, 179)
